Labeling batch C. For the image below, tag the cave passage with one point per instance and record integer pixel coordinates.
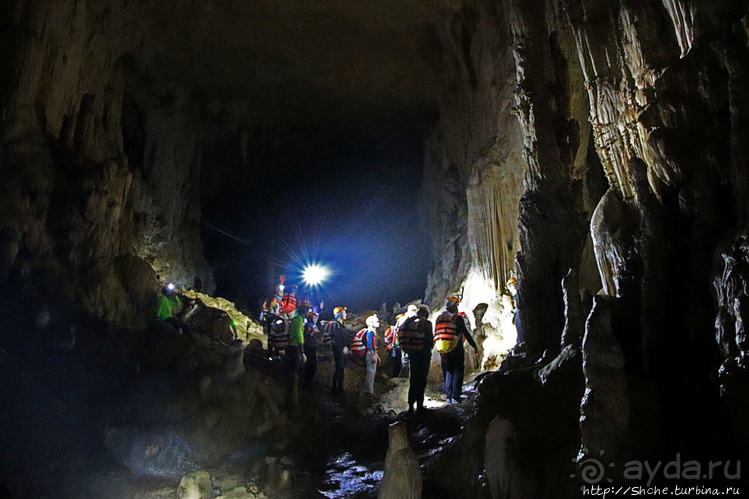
(571, 174)
(345, 199)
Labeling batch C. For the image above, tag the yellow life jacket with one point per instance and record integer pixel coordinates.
(446, 336)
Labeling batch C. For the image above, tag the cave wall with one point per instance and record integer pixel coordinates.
(80, 223)
(647, 95)
(508, 168)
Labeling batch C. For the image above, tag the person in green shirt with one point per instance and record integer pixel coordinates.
(167, 308)
(294, 355)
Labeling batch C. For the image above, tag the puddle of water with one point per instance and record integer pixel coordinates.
(350, 479)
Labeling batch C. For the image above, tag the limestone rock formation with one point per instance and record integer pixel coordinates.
(588, 148)
(402, 476)
(622, 163)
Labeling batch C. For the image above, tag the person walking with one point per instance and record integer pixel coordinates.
(449, 331)
(405, 361)
(417, 339)
(373, 358)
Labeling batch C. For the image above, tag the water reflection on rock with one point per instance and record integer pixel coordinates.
(348, 478)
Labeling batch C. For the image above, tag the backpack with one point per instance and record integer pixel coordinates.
(278, 332)
(411, 335)
(446, 336)
(312, 335)
(338, 334)
(359, 349)
(325, 337)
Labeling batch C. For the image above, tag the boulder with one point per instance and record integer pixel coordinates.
(211, 322)
(195, 485)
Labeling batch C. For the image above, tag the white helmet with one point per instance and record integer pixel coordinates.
(373, 321)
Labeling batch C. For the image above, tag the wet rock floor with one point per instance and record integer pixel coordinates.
(58, 410)
(342, 454)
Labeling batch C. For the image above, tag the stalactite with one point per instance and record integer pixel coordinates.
(682, 16)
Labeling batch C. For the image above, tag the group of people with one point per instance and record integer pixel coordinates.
(410, 342)
(292, 327)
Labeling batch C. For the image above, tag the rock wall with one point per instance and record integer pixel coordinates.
(513, 137)
(647, 95)
(82, 219)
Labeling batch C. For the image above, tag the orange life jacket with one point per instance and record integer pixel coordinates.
(288, 302)
(446, 335)
(359, 348)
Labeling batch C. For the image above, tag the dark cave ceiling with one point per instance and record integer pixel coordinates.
(298, 61)
(347, 89)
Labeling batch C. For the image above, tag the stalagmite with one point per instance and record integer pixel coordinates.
(402, 478)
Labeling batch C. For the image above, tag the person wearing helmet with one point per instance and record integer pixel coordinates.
(393, 346)
(294, 356)
(405, 361)
(419, 342)
(512, 287)
(168, 309)
(373, 358)
(339, 342)
(312, 339)
(454, 359)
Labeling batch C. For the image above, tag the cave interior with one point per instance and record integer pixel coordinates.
(591, 149)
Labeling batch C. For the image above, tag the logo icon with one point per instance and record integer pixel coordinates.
(592, 470)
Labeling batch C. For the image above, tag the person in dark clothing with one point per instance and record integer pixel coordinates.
(339, 342)
(197, 284)
(405, 362)
(454, 360)
(421, 359)
(312, 337)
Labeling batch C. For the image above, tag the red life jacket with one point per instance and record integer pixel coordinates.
(359, 348)
(446, 336)
(391, 338)
(289, 302)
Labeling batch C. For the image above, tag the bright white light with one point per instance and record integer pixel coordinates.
(170, 286)
(315, 274)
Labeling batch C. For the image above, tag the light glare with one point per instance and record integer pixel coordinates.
(314, 274)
